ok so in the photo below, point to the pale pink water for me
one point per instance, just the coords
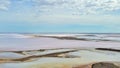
(20, 44)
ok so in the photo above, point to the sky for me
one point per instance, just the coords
(81, 16)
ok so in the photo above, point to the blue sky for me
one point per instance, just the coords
(91, 16)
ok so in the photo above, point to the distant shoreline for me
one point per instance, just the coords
(55, 33)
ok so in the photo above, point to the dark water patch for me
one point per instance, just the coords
(108, 49)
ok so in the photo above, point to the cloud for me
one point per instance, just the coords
(70, 7)
(4, 4)
(79, 7)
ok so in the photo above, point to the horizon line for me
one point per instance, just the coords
(62, 32)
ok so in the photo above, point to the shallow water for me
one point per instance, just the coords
(26, 42)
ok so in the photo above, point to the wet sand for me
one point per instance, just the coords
(58, 58)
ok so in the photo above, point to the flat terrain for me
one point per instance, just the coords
(34, 42)
(57, 58)
(59, 51)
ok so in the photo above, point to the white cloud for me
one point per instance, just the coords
(4, 4)
(74, 7)
(77, 6)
